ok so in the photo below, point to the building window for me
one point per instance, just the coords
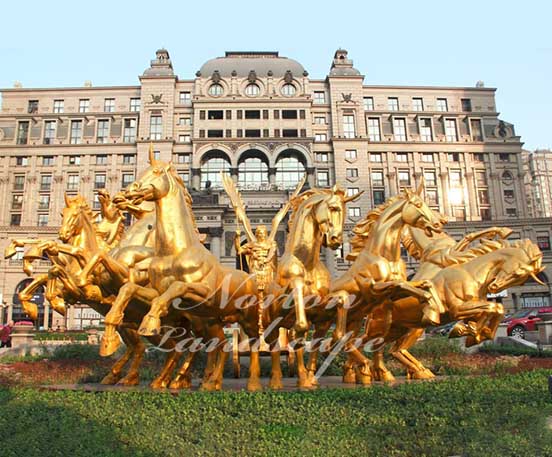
(216, 90)
(19, 182)
(101, 159)
(289, 171)
(320, 137)
(129, 159)
(42, 220)
(22, 161)
(376, 157)
(288, 90)
(109, 105)
(504, 157)
(84, 105)
(459, 214)
(103, 131)
(252, 172)
(483, 196)
(323, 178)
(183, 158)
(76, 132)
(466, 104)
(74, 160)
(185, 138)
(426, 133)
(442, 104)
(286, 114)
(32, 106)
(321, 120)
(188, 120)
(511, 212)
(374, 129)
(252, 90)
(399, 129)
(135, 104)
(215, 114)
(404, 178)
(17, 202)
(49, 132)
(417, 104)
(352, 173)
(453, 157)
(23, 132)
(432, 197)
(73, 182)
(393, 104)
(44, 202)
(156, 127)
(543, 241)
(354, 212)
(99, 181)
(211, 171)
(349, 126)
(127, 179)
(352, 191)
(322, 157)
(368, 103)
(429, 178)
(185, 177)
(427, 157)
(485, 214)
(509, 195)
(129, 131)
(15, 219)
(377, 178)
(480, 178)
(455, 177)
(185, 98)
(450, 130)
(319, 97)
(401, 157)
(48, 161)
(58, 106)
(476, 131)
(216, 133)
(378, 197)
(351, 154)
(478, 157)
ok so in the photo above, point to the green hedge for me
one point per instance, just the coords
(67, 336)
(501, 416)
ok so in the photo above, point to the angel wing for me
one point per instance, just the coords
(237, 203)
(284, 209)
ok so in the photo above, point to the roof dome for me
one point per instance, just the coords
(240, 64)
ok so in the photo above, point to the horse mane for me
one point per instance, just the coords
(411, 247)
(187, 197)
(485, 246)
(363, 228)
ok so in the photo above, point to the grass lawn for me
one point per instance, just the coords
(472, 416)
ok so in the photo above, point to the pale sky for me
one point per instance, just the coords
(507, 43)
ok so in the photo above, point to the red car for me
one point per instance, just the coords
(525, 320)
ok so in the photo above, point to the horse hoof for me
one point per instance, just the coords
(110, 379)
(158, 384)
(383, 376)
(109, 344)
(130, 379)
(180, 384)
(458, 330)
(349, 377)
(254, 386)
(150, 326)
(421, 374)
(305, 384)
(275, 384)
(208, 387)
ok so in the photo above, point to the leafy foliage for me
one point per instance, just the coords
(500, 416)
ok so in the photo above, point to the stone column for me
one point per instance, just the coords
(216, 235)
(471, 207)
(196, 178)
(444, 185)
(272, 176)
(46, 315)
(234, 174)
(10, 312)
(311, 178)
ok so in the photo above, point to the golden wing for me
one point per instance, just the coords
(284, 209)
(237, 203)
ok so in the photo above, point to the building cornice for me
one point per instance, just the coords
(70, 89)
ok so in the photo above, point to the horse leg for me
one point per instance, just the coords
(173, 357)
(138, 347)
(275, 382)
(349, 375)
(25, 296)
(301, 325)
(183, 379)
(151, 323)
(320, 332)
(215, 360)
(53, 295)
(110, 341)
(379, 370)
(415, 369)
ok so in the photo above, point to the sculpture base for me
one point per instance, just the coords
(233, 385)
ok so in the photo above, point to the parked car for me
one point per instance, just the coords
(442, 330)
(525, 320)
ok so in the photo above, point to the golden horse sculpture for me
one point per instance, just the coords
(377, 276)
(463, 284)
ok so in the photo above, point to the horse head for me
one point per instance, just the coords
(416, 213)
(516, 263)
(73, 217)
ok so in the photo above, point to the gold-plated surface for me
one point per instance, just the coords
(157, 276)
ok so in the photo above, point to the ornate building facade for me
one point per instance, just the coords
(538, 181)
(264, 120)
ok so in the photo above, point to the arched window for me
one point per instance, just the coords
(252, 90)
(253, 172)
(288, 90)
(289, 171)
(211, 168)
(216, 90)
